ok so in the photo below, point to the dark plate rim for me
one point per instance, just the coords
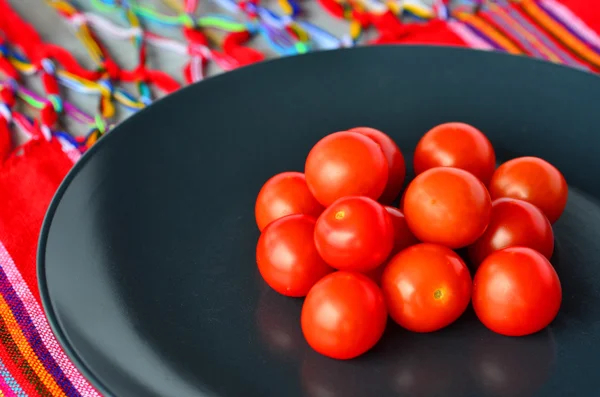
(47, 305)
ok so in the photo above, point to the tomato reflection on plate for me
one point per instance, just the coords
(508, 366)
(426, 364)
(410, 364)
(278, 324)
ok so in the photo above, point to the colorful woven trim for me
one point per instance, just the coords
(37, 362)
(566, 28)
(544, 29)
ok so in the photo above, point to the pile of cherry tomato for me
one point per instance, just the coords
(331, 235)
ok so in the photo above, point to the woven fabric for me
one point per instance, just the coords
(31, 361)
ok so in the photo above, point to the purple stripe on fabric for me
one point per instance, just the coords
(484, 37)
(568, 27)
(467, 36)
(565, 57)
(71, 109)
(32, 336)
(521, 41)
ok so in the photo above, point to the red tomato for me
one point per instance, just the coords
(516, 292)
(285, 194)
(344, 315)
(395, 159)
(287, 257)
(403, 238)
(426, 287)
(354, 233)
(346, 164)
(514, 223)
(457, 145)
(447, 206)
(534, 180)
(376, 273)
(402, 198)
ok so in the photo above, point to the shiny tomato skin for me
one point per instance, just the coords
(514, 223)
(395, 159)
(287, 257)
(516, 292)
(343, 315)
(533, 180)
(426, 287)
(285, 194)
(354, 233)
(346, 164)
(376, 273)
(403, 237)
(447, 206)
(456, 145)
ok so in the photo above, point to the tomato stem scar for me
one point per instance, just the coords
(340, 215)
(438, 294)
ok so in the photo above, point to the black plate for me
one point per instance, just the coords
(146, 259)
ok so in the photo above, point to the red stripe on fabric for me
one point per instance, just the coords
(553, 39)
(471, 38)
(587, 10)
(17, 365)
(31, 335)
(572, 23)
(31, 309)
(14, 368)
(32, 179)
(511, 35)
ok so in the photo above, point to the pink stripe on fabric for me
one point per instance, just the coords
(41, 324)
(469, 37)
(6, 389)
(573, 21)
(11, 382)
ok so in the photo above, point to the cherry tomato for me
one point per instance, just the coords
(534, 180)
(403, 238)
(285, 194)
(516, 292)
(447, 206)
(287, 257)
(514, 223)
(457, 145)
(402, 198)
(426, 287)
(354, 233)
(346, 164)
(376, 273)
(395, 159)
(344, 315)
